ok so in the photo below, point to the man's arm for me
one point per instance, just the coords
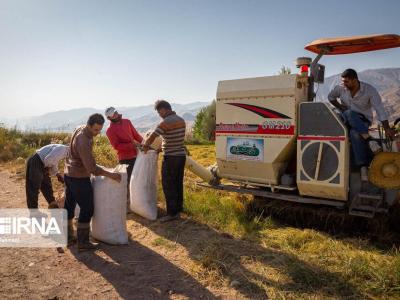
(111, 175)
(53, 170)
(388, 131)
(160, 130)
(333, 96)
(60, 177)
(136, 136)
(149, 141)
(377, 104)
(52, 167)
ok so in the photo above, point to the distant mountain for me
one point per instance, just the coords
(143, 117)
(386, 81)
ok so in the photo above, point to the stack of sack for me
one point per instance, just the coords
(109, 218)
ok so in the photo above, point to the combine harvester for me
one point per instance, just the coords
(275, 142)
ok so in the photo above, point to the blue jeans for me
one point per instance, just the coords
(357, 125)
(79, 190)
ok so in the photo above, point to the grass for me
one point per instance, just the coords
(343, 267)
(15, 144)
(257, 255)
(164, 243)
(104, 154)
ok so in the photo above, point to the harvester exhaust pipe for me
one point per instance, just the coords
(209, 175)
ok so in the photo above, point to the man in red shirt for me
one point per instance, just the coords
(124, 138)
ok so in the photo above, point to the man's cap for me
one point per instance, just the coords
(110, 112)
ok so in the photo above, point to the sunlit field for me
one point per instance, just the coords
(267, 256)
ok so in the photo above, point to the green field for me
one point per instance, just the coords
(345, 267)
(284, 261)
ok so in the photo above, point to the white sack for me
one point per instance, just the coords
(157, 143)
(143, 185)
(109, 218)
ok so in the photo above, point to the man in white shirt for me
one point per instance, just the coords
(39, 168)
(356, 102)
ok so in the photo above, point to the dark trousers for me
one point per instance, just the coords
(37, 179)
(129, 169)
(172, 171)
(79, 190)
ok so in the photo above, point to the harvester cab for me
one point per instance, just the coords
(274, 140)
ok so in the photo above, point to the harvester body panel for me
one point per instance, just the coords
(257, 127)
(322, 153)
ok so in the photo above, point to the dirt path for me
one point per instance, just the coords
(155, 264)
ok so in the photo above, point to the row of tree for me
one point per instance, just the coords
(204, 124)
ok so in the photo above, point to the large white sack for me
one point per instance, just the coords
(143, 185)
(109, 218)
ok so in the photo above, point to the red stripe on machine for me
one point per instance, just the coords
(261, 130)
(261, 111)
(320, 138)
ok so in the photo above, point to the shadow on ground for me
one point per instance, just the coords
(137, 272)
(213, 249)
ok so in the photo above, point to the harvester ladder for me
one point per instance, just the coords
(366, 205)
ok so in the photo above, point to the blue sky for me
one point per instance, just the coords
(57, 55)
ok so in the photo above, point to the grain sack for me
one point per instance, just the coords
(109, 218)
(143, 185)
(157, 143)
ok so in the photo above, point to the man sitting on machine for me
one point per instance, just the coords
(356, 102)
